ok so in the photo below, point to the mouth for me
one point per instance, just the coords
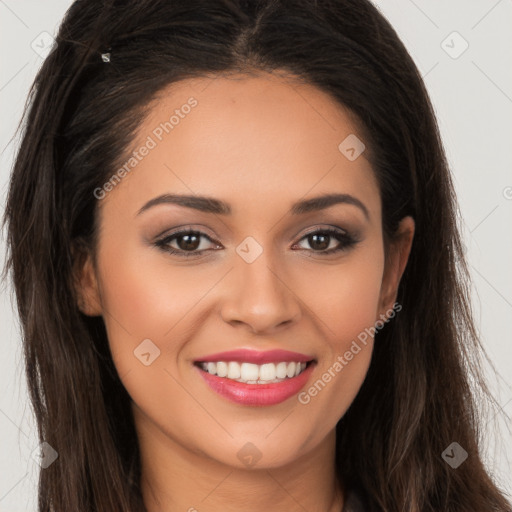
(249, 373)
(256, 384)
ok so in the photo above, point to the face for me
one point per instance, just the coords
(262, 265)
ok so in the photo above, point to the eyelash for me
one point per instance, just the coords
(345, 239)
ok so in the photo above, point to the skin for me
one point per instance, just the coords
(260, 143)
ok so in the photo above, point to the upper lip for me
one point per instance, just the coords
(256, 356)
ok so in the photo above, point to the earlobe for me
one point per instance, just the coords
(396, 261)
(86, 284)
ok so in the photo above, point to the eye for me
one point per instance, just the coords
(186, 243)
(328, 241)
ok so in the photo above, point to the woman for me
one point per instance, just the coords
(233, 241)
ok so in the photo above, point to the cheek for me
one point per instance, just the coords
(145, 297)
(345, 301)
(345, 297)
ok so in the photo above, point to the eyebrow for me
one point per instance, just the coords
(217, 206)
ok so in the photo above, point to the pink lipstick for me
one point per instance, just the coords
(256, 356)
(256, 378)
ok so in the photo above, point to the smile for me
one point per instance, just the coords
(253, 373)
(253, 384)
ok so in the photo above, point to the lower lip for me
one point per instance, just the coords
(257, 394)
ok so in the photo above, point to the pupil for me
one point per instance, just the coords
(188, 242)
(322, 240)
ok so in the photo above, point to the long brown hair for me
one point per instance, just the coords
(418, 395)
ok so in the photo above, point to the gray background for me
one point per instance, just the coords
(472, 95)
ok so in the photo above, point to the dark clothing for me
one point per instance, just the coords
(355, 502)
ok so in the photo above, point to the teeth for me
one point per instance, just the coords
(233, 370)
(267, 371)
(254, 373)
(248, 371)
(281, 370)
(222, 369)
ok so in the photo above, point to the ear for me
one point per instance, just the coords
(86, 281)
(396, 260)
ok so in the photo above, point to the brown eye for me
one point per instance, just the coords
(319, 241)
(186, 243)
(327, 241)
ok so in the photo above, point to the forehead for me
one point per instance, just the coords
(243, 137)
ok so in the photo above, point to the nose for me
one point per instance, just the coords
(260, 298)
